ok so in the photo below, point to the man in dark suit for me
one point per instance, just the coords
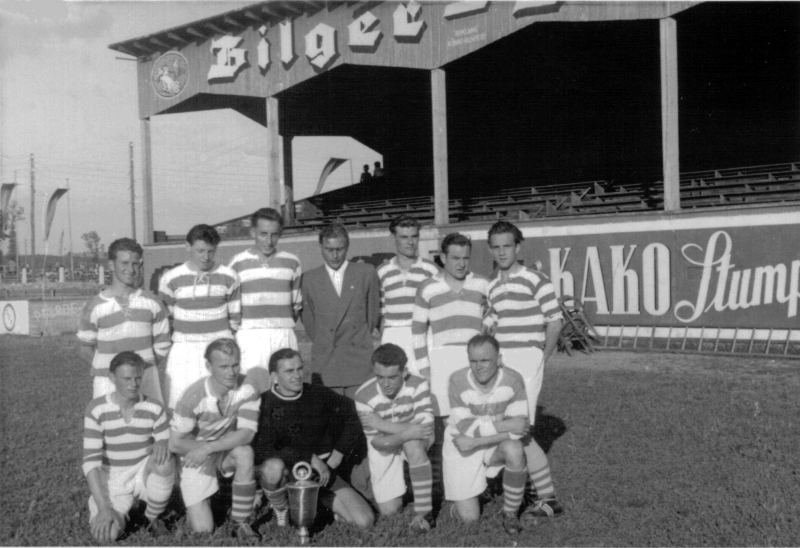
(341, 308)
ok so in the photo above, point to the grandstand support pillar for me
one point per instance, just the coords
(440, 184)
(288, 180)
(147, 182)
(274, 154)
(669, 113)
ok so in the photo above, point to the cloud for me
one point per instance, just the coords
(27, 26)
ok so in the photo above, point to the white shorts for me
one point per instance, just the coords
(386, 472)
(257, 345)
(124, 487)
(444, 362)
(151, 385)
(465, 475)
(197, 484)
(186, 364)
(401, 336)
(528, 362)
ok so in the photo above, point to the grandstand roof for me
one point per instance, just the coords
(270, 37)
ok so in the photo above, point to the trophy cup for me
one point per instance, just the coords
(303, 499)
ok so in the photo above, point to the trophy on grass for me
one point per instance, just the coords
(303, 499)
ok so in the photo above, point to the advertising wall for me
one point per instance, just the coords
(725, 268)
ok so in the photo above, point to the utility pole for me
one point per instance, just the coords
(69, 219)
(133, 197)
(33, 211)
(16, 238)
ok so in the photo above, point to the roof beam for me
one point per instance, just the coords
(271, 12)
(176, 38)
(215, 28)
(126, 51)
(233, 22)
(138, 45)
(159, 43)
(250, 15)
(289, 6)
(195, 32)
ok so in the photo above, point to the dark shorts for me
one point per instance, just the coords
(328, 493)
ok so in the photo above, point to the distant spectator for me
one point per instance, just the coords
(366, 177)
(378, 173)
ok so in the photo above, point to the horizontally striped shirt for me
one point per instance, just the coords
(413, 401)
(112, 326)
(271, 295)
(520, 308)
(205, 306)
(399, 289)
(111, 443)
(473, 412)
(200, 413)
(453, 318)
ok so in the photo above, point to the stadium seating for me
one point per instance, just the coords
(738, 186)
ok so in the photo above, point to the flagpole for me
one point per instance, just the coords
(69, 217)
(16, 237)
(46, 242)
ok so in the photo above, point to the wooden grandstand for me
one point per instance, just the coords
(776, 183)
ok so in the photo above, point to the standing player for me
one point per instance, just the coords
(123, 317)
(400, 277)
(488, 419)
(212, 427)
(270, 288)
(452, 304)
(310, 423)
(527, 320)
(204, 301)
(395, 411)
(125, 454)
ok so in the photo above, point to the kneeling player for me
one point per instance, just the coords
(395, 411)
(125, 455)
(298, 423)
(488, 418)
(214, 422)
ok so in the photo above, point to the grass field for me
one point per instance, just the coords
(659, 449)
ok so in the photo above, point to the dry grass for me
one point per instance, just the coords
(659, 450)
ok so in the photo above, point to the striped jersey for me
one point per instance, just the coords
(205, 306)
(200, 413)
(453, 317)
(399, 289)
(270, 291)
(111, 443)
(473, 412)
(112, 325)
(413, 401)
(521, 306)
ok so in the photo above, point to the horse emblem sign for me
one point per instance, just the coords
(170, 74)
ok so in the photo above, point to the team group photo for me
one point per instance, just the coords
(204, 381)
(399, 273)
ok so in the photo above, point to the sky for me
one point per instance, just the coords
(71, 102)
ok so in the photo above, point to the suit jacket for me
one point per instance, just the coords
(341, 327)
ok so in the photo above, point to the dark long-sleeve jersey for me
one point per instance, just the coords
(315, 422)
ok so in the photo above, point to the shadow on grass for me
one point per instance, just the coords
(547, 429)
